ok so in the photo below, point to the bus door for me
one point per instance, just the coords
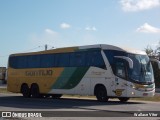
(120, 83)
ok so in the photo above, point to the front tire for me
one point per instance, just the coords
(101, 93)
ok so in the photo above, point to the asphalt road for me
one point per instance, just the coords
(75, 107)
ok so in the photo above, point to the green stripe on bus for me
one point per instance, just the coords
(64, 77)
(76, 77)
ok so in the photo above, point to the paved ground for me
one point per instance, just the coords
(77, 108)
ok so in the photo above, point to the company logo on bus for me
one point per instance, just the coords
(118, 92)
(39, 73)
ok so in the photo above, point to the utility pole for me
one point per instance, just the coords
(45, 46)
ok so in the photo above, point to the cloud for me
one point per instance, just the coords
(93, 28)
(51, 38)
(146, 28)
(65, 26)
(48, 36)
(49, 31)
(138, 5)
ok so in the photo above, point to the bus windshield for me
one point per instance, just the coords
(142, 69)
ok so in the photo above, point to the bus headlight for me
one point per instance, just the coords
(133, 87)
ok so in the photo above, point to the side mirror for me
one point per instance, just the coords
(129, 60)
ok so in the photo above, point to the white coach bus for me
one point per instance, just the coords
(105, 71)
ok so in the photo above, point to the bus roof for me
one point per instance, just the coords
(111, 47)
(86, 47)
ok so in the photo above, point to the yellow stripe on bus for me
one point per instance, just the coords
(44, 77)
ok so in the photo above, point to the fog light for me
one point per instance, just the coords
(133, 87)
(133, 93)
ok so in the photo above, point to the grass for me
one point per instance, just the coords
(3, 90)
(156, 98)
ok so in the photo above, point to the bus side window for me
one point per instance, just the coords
(13, 62)
(94, 58)
(62, 60)
(47, 60)
(77, 59)
(120, 70)
(33, 61)
(80, 59)
(18, 62)
(21, 62)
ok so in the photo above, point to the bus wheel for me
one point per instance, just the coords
(56, 96)
(25, 91)
(101, 93)
(123, 99)
(35, 91)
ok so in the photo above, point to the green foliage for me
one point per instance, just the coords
(149, 51)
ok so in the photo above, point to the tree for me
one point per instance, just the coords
(149, 50)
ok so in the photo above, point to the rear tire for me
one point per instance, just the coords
(35, 91)
(123, 99)
(101, 93)
(25, 91)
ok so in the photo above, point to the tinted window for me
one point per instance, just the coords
(120, 69)
(62, 60)
(12, 62)
(33, 61)
(18, 62)
(94, 58)
(77, 59)
(111, 53)
(47, 60)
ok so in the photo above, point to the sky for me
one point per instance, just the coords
(27, 25)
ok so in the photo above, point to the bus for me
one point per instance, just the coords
(101, 70)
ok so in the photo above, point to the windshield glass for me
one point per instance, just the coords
(142, 68)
